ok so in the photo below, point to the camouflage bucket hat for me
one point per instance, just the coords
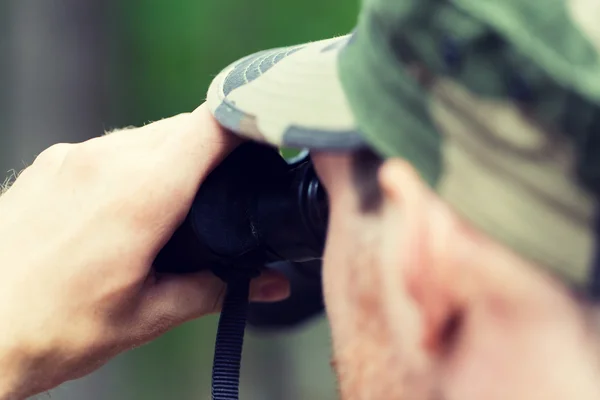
(495, 103)
(288, 97)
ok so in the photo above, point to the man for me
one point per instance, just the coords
(458, 143)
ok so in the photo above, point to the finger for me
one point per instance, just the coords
(158, 127)
(270, 286)
(185, 148)
(201, 143)
(174, 299)
(190, 135)
(53, 156)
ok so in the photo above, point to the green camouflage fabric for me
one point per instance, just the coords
(495, 102)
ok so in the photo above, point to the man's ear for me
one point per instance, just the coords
(419, 256)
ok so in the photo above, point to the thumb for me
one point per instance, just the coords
(171, 300)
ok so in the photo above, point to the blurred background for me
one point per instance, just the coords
(71, 69)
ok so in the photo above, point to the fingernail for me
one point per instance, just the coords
(273, 291)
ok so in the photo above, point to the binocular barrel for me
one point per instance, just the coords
(254, 209)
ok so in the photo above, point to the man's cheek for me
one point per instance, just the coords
(338, 291)
(334, 283)
(351, 290)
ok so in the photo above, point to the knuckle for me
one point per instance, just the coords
(82, 161)
(53, 155)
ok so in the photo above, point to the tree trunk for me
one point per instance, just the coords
(55, 66)
(52, 76)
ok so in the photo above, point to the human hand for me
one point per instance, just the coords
(79, 231)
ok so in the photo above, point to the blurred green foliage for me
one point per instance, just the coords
(170, 51)
(165, 55)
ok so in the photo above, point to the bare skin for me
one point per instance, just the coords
(80, 229)
(422, 306)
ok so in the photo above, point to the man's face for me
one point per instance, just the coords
(424, 308)
(366, 365)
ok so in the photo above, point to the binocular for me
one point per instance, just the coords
(257, 210)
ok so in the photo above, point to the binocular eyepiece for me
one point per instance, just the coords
(254, 210)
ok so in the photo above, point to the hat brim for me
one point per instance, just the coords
(287, 97)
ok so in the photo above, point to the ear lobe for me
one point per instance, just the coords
(423, 228)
